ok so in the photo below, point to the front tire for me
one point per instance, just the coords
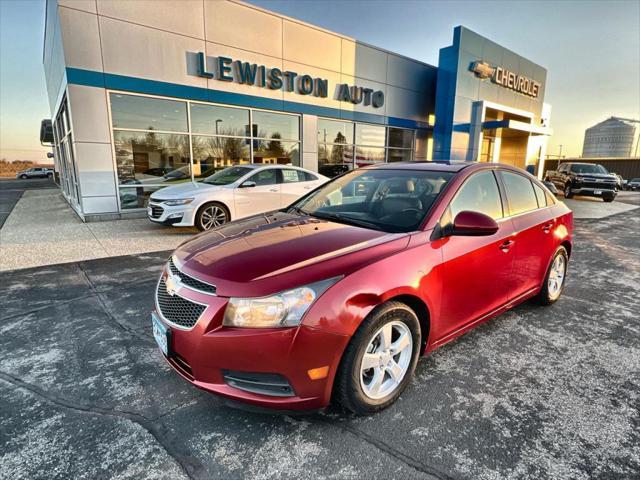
(567, 191)
(378, 363)
(211, 215)
(554, 280)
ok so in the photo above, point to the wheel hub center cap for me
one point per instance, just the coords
(384, 358)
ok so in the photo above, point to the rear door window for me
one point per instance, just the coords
(542, 201)
(479, 193)
(520, 193)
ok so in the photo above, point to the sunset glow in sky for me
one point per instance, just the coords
(591, 50)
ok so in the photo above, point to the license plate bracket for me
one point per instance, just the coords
(162, 334)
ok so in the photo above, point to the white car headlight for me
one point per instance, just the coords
(180, 201)
(284, 309)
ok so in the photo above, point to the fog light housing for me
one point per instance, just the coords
(176, 215)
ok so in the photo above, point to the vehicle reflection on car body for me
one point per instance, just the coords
(338, 295)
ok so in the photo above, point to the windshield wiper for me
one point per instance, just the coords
(345, 219)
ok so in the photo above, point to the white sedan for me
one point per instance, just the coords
(230, 194)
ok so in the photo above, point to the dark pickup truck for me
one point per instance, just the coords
(588, 179)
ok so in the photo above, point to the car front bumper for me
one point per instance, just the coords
(263, 367)
(178, 216)
(593, 191)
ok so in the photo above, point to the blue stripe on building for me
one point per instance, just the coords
(89, 78)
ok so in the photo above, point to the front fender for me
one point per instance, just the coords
(415, 271)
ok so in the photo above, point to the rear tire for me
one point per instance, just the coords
(390, 337)
(555, 279)
(567, 191)
(211, 215)
(23, 177)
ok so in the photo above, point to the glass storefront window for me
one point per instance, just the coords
(399, 155)
(212, 154)
(332, 131)
(276, 126)
(400, 138)
(135, 197)
(145, 113)
(215, 120)
(275, 151)
(152, 158)
(373, 135)
(369, 155)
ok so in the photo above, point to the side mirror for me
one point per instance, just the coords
(551, 187)
(248, 184)
(473, 224)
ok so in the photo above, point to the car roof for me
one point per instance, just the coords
(437, 166)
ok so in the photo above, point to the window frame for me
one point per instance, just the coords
(190, 134)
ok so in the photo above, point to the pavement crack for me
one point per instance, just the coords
(389, 450)
(190, 465)
(107, 310)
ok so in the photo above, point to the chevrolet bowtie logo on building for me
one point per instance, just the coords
(482, 70)
(505, 78)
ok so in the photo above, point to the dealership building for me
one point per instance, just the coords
(146, 94)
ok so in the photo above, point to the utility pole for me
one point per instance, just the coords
(560, 152)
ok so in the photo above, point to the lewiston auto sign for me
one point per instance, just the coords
(506, 78)
(228, 70)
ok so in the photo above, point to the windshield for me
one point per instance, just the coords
(227, 176)
(388, 200)
(588, 169)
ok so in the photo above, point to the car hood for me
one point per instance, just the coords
(269, 253)
(184, 189)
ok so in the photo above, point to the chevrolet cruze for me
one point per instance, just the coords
(337, 296)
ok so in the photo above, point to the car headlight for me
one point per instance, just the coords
(180, 201)
(284, 309)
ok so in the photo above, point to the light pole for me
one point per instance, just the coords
(560, 152)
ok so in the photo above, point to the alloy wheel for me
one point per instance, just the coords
(213, 216)
(556, 276)
(386, 360)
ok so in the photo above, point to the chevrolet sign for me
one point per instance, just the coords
(505, 78)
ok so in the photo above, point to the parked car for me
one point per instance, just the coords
(35, 172)
(619, 181)
(593, 180)
(230, 194)
(633, 184)
(337, 295)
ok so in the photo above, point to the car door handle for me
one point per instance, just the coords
(273, 189)
(506, 245)
(308, 187)
(547, 227)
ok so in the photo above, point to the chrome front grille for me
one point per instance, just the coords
(176, 309)
(191, 282)
(156, 211)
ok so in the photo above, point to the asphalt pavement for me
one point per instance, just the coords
(534, 394)
(11, 191)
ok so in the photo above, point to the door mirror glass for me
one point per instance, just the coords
(551, 187)
(473, 224)
(248, 184)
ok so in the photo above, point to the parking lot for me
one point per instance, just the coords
(537, 393)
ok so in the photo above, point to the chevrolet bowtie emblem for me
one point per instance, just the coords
(482, 69)
(171, 285)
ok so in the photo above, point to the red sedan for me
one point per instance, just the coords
(338, 295)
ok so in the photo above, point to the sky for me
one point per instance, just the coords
(591, 50)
